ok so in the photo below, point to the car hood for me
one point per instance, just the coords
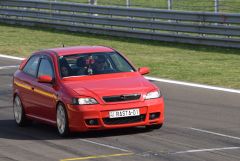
(109, 84)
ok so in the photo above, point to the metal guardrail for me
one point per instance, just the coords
(218, 29)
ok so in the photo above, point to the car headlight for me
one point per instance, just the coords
(152, 95)
(84, 101)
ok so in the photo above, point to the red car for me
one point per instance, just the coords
(85, 88)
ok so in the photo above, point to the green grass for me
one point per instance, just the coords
(192, 63)
(232, 6)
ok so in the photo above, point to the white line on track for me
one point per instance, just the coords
(8, 67)
(206, 150)
(194, 85)
(104, 145)
(164, 80)
(214, 133)
(11, 57)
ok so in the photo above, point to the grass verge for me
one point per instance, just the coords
(191, 63)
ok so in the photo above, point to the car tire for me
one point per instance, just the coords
(155, 126)
(18, 111)
(62, 120)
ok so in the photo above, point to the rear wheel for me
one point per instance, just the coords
(18, 111)
(62, 120)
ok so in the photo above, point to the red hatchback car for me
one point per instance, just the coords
(85, 88)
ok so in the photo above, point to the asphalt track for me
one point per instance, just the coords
(201, 124)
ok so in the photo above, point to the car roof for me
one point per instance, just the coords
(80, 50)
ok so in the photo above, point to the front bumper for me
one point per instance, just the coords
(79, 115)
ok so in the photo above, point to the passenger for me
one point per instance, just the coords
(81, 63)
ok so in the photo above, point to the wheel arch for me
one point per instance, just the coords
(65, 107)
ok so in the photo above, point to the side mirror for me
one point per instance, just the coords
(45, 79)
(143, 70)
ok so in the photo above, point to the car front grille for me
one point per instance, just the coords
(124, 120)
(120, 98)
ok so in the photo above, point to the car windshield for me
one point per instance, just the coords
(93, 64)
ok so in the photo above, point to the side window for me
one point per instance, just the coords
(45, 68)
(31, 66)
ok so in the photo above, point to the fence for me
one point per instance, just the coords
(171, 26)
(230, 6)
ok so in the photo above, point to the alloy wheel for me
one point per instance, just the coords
(62, 120)
(17, 109)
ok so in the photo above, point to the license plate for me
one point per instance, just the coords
(124, 113)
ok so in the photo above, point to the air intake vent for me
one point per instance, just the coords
(124, 120)
(121, 98)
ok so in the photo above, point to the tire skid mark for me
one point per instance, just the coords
(25, 151)
(48, 143)
(44, 142)
(5, 158)
(4, 107)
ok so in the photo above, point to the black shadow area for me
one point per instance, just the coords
(39, 131)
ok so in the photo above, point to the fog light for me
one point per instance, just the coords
(153, 116)
(92, 122)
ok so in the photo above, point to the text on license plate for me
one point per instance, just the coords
(124, 113)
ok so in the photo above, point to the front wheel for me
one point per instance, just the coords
(62, 120)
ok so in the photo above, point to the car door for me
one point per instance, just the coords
(25, 80)
(45, 93)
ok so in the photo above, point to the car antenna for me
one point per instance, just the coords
(63, 45)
